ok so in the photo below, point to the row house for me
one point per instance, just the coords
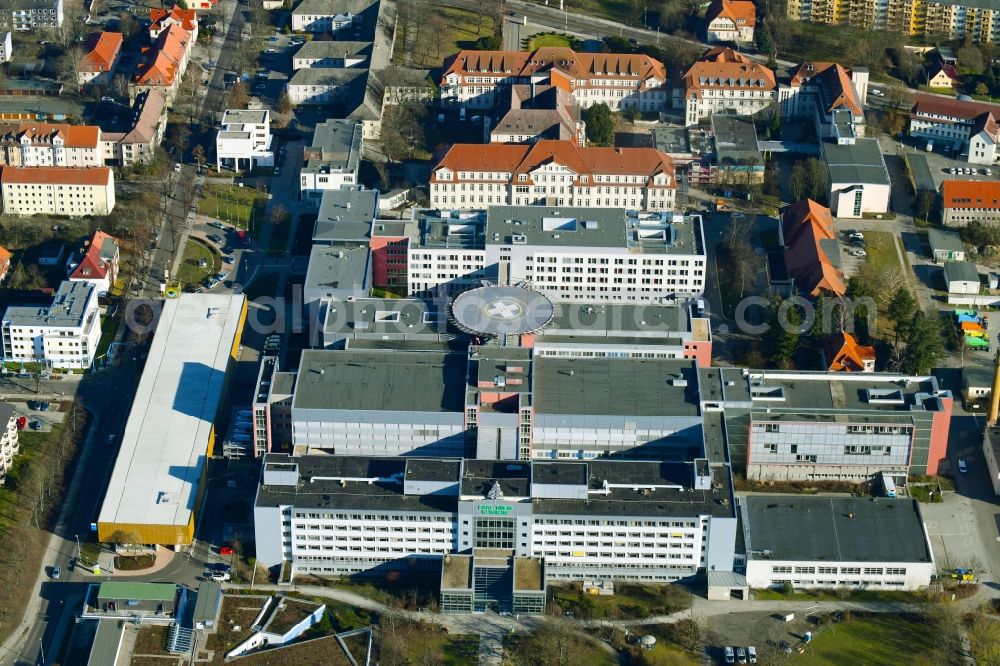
(552, 173)
(622, 81)
(43, 144)
(166, 62)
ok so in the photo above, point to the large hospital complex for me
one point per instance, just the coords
(537, 405)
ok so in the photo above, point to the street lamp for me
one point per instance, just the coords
(79, 551)
(41, 646)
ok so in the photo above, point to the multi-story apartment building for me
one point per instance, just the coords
(139, 144)
(6, 47)
(9, 444)
(616, 520)
(832, 95)
(27, 15)
(331, 161)
(166, 61)
(553, 173)
(244, 141)
(63, 334)
(319, 16)
(937, 20)
(723, 81)
(622, 81)
(73, 192)
(100, 60)
(332, 55)
(730, 21)
(970, 128)
(43, 144)
(327, 85)
(964, 201)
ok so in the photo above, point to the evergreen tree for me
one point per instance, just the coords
(782, 340)
(901, 309)
(924, 344)
(600, 124)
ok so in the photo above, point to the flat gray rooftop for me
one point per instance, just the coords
(671, 139)
(324, 76)
(336, 147)
(67, 310)
(449, 229)
(835, 529)
(326, 49)
(816, 391)
(320, 486)
(599, 319)
(404, 381)
(386, 316)
(735, 141)
(479, 477)
(336, 267)
(345, 216)
(945, 241)
(641, 498)
(244, 117)
(605, 386)
(860, 163)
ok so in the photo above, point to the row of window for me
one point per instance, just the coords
(843, 571)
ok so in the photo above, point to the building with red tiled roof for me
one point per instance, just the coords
(552, 173)
(730, 21)
(5, 257)
(96, 262)
(166, 61)
(161, 19)
(50, 144)
(201, 5)
(723, 81)
(102, 53)
(842, 353)
(832, 95)
(57, 191)
(969, 128)
(965, 201)
(812, 250)
(942, 75)
(635, 81)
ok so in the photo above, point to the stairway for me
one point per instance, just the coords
(179, 639)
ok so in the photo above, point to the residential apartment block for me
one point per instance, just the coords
(27, 15)
(6, 47)
(723, 81)
(553, 173)
(9, 444)
(63, 334)
(730, 21)
(327, 85)
(622, 81)
(570, 254)
(32, 144)
(149, 123)
(615, 520)
(330, 54)
(940, 20)
(331, 161)
(100, 58)
(73, 192)
(162, 19)
(165, 62)
(244, 141)
(318, 16)
(969, 128)
(964, 201)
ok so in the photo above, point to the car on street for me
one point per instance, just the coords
(226, 550)
(214, 238)
(218, 225)
(56, 572)
(111, 440)
(963, 467)
(219, 277)
(218, 576)
(277, 171)
(857, 252)
(228, 259)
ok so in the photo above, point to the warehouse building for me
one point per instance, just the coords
(652, 521)
(835, 542)
(157, 483)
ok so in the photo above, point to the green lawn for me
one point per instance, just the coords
(231, 203)
(456, 650)
(550, 39)
(874, 640)
(190, 270)
(888, 596)
(109, 327)
(628, 601)
(881, 249)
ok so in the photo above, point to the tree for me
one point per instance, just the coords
(982, 89)
(67, 67)
(600, 124)
(924, 344)
(128, 25)
(123, 538)
(782, 341)
(238, 97)
(198, 152)
(901, 309)
(284, 103)
(970, 59)
(816, 172)
(798, 183)
(762, 39)
(489, 43)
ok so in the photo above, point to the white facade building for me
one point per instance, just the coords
(57, 191)
(319, 16)
(332, 55)
(9, 444)
(553, 173)
(50, 144)
(63, 334)
(858, 178)
(27, 15)
(969, 128)
(723, 81)
(833, 542)
(244, 140)
(621, 81)
(6, 49)
(332, 161)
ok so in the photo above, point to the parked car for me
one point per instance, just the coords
(226, 550)
(741, 655)
(214, 238)
(877, 92)
(219, 576)
(36, 425)
(730, 656)
(855, 234)
(22, 422)
(219, 277)
(228, 259)
(963, 467)
(277, 171)
(111, 440)
(43, 406)
(218, 225)
(56, 572)
(752, 654)
(177, 168)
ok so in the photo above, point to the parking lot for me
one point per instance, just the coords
(939, 163)
(44, 419)
(954, 534)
